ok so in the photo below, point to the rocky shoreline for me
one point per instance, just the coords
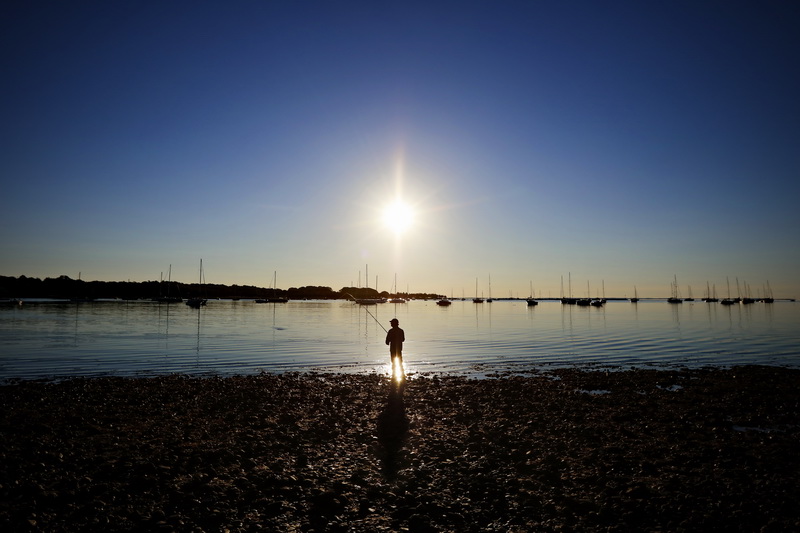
(637, 450)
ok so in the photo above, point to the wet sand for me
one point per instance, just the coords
(644, 450)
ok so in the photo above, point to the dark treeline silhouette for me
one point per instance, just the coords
(360, 292)
(66, 287)
(369, 293)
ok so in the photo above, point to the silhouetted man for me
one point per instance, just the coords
(395, 338)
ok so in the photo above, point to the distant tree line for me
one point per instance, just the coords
(66, 287)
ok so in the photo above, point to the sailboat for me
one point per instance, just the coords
(584, 302)
(598, 302)
(748, 298)
(690, 298)
(531, 300)
(635, 295)
(396, 299)
(568, 300)
(674, 299)
(728, 300)
(199, 301)
(167, 299)
(768, 297)
(711, 296)
(476, 299)
(370, 301)
(274, 298)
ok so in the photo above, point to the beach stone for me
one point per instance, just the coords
(309, 452)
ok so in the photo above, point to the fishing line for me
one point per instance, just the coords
(370, 314)
(376, 320)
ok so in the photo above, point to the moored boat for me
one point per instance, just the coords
(370, 301)
(689, 298)
(728, 300)
(198, 301)
(635, 295)
(567, 300)
(674, 298)
(748, 298)
(711, 296)
(275, 299)
(531, 300)
(476, 299)
(768, 297)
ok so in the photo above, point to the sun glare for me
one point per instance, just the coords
(399, 217)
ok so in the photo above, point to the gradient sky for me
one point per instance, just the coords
(624, 142)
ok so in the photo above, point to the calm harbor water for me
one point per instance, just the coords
(134, 338)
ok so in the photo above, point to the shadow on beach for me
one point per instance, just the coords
(393, 426)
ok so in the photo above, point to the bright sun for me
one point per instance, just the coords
(399, 217)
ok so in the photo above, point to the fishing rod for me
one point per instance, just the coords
(370, 314)
(376, 320)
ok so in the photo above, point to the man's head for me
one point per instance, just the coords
(394, 322)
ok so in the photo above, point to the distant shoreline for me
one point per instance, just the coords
(67, 288)
(344, 298)
(64, 287)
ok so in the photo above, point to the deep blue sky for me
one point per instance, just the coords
(625, 143)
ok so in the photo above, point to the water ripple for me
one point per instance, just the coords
(140, 338)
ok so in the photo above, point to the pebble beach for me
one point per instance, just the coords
(712, 449)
